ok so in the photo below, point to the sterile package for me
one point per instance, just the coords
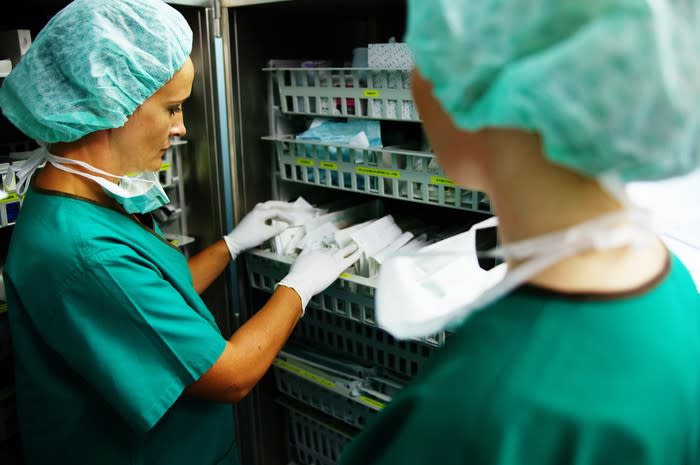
(374, 238)
(302, 212)
(347, 216)
(342, 237)
(360, 133)
(320, 230)
(417, 243)
(5, 67)
(375, 261)
(321, 236)
(390, 55)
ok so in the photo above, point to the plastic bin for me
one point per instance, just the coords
(353, 339)
(166, 173)
(314, 440)
(335, 390)
(11, 204)
(342, 320)
(350, 297)
(355, 92)
(387, 172)
(335, 405)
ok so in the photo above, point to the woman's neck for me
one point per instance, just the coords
(556, 198)
(552, 198)
(91, 150)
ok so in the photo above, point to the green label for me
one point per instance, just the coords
(305, 162)
(304, 374)
(345, 275)
(11, 197)
(372, 93)
(165, 166)
(328, 165)
(371, 402)
(441, 181)
(378, 172)
(3, 307)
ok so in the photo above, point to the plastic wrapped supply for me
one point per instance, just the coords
(303, 212)
(359, 133)
(389, 55)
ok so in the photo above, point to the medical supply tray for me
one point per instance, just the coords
(392, 172)
(312, 438)
(346, 92)
(344, 390)
(342, 318)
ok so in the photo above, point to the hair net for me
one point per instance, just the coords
(92, 65)
(610, 85)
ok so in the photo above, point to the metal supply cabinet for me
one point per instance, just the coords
(338, 369)
(172, 218)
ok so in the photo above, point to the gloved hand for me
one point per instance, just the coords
(315, 270)
(256, 227)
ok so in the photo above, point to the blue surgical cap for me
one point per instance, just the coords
(611, 86)
(92, 65)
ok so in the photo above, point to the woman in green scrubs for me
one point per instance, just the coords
(118, 360)
(592, 358)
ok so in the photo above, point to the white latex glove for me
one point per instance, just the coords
(315, 270)
(256, 227)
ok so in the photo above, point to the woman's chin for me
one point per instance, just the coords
(155, 166)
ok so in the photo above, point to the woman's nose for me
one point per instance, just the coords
(178, 128)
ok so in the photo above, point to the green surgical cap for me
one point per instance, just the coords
(612, 86)
(92, 65)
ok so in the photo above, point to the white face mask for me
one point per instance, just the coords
(422, 293)
(137, 194)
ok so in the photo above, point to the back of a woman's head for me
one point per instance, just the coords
(610, 85)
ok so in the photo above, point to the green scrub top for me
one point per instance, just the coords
(107, 331)
(541, 378)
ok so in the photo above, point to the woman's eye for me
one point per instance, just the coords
(174, 110)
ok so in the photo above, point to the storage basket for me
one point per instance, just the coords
(370, 344)
(346, 92)
(387, 172)
(350, 297)
(312, 441)
(325, 400)
(166, 173)
(339, 394)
